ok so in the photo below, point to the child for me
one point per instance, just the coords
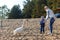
(42, 23)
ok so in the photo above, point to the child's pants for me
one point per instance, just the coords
(51, 24)
(42, 27)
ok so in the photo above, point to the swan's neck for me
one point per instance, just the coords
(23, 24)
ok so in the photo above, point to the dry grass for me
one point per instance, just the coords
(31, 32)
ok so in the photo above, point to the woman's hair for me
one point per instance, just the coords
(45, 6)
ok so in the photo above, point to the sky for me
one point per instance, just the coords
(11, 3)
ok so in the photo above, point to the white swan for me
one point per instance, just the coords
(19, 30)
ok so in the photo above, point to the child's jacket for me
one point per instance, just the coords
(42, 21)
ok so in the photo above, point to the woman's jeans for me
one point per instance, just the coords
(51, 24)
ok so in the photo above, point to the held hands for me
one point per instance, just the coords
(46, 19)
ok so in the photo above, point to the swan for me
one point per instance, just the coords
(19, 30)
